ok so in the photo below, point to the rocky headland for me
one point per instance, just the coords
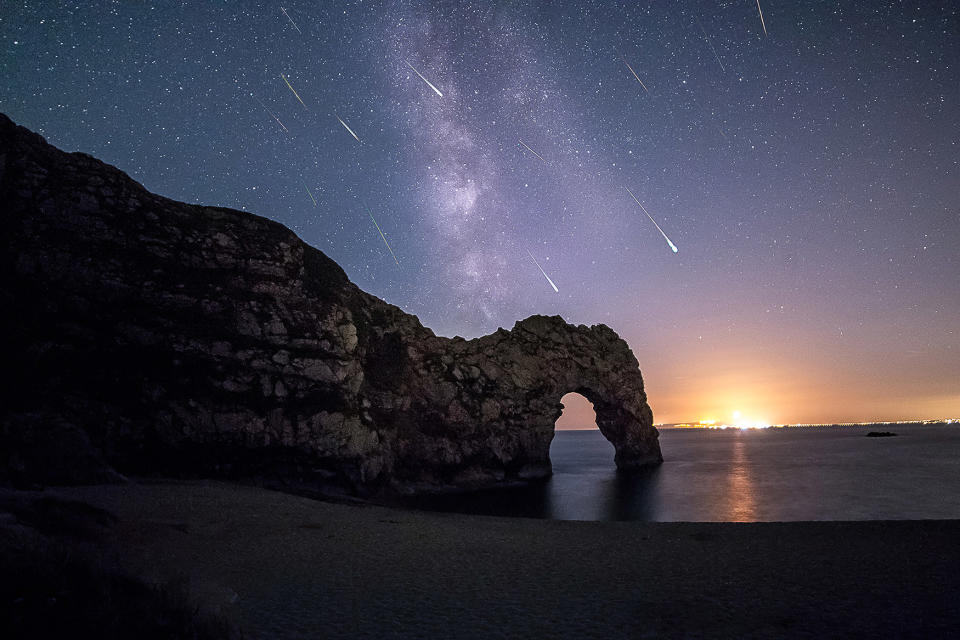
(147, 336)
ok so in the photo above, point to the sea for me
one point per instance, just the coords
(753, 475)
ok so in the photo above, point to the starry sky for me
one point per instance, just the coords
(804, 163)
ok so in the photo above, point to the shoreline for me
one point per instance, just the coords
(281, 565)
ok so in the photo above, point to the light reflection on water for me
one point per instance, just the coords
(740, 491)
(817, 473)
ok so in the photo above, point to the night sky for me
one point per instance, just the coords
(808, 175)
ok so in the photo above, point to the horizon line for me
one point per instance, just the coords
(702, 425)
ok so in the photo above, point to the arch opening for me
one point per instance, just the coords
(578, 414)
(578, 446)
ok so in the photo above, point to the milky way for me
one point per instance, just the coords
(805, 163)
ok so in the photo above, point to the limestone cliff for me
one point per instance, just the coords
(147, 336)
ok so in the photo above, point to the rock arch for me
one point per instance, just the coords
(505, 400)
(616, 424)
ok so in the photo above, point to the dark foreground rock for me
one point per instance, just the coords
(62, 579)
(881, 434)
(144, 335)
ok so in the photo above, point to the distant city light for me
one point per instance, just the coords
(762, 424)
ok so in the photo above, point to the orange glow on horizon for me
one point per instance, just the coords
(786, 382)
(794, 392)
(578, 414)
(792, 367)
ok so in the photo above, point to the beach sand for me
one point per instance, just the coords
(284, 566)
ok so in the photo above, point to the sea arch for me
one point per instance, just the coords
(493, 417)
(623, 419)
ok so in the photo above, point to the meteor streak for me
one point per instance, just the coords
(291, 20)
(271, 113)
(635, 74)
(672, 246)
(707, 38)
(761, 18)
(424, 79)
(346, 127)
(384, 239)
(543, 272)
(310, 194)
(531, 150)
(294, 91)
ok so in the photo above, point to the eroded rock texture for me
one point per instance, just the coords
(150, 336)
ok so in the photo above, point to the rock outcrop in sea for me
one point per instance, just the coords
(147, 336)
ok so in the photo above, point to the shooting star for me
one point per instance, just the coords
(346, 127)
(310, 194)
(543, 272)
(424, 79)
(531, 150)
(672, 246)
(294, 91)
(635, 74)
(384, 239)
(291, 20)
(707, 38)
(271, 114)
(761, 18)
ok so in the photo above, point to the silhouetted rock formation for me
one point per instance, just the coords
(150, 336)
(881, 434)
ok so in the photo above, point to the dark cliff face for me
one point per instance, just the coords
(144, 335)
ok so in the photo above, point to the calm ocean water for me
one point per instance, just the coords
(808, 473)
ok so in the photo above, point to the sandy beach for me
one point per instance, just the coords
(284, 566)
